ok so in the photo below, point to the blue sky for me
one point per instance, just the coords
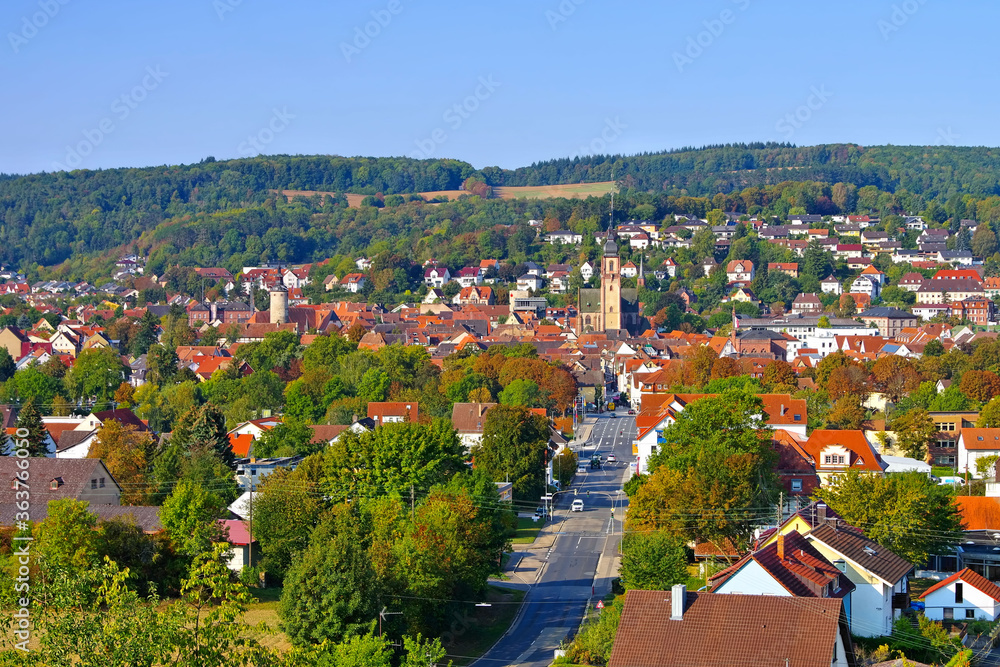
(114, 83)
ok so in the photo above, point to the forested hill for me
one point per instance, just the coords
(46, 219)
(931, 171)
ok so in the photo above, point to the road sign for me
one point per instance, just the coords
(600, 604)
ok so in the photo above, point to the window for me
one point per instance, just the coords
(946, 426)
(970, 613)
(93, 483)
(827, 459)
(958, 593)
(101, 483)
(949, 614)
(796, 485)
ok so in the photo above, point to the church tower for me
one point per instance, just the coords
(611, 285)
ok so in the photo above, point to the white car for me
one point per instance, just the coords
(577, 506)
(612, 458)
(581, 470)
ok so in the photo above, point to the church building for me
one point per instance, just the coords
(609, 308)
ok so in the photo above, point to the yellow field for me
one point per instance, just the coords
(570, 191)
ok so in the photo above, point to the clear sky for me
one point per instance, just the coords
(110, 83)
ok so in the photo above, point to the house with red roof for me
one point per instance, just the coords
(976, 443)
(243, 550)
(836, 451)
(964, 596)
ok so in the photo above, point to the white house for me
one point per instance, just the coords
(964, 596)
(564, 237)
(242, 551)
(877, 573)
(740, 271)
(831, 285)
(670, 266)
(975, 443)
(866, 285)
(587, 271)
(529, 282)
(436, 276)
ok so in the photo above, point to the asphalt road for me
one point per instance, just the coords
(563, 578)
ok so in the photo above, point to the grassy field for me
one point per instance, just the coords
(570, 191)
(527, 531)
(476, 633)
(265, 609)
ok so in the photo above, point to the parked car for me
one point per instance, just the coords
(577, 506)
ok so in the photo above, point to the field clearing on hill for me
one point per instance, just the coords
(570, 191)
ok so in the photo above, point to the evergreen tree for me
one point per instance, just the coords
(209, 433)
(7, 365)
(29, 418)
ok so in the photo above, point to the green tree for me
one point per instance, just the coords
(934, 348)
(285, 510)
(374, 385)
(7, 365)
(30, 420)
(915, 433)
(714, 457)
(984, 241)
(190, 517)
(162, 363)
(908, 513)
(653, 561)
(96, 374)
(521, 392)
(330, 591)
(513, 448)
(989, 416)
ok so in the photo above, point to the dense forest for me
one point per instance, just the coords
(226, 212)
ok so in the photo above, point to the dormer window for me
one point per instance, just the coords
(55, 483)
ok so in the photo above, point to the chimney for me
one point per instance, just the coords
(678, 596)
(781, 547)
(821, 513)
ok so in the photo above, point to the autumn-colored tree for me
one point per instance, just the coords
(895, 377)
(356, 332)
(779, 373)
(828, 364)
(980, 385)
(847, 412)
(726, 367)
(989, 416)
(849, 380)
(698, 369)
(846, 307)
(127, 454)
(480, 395)
(125, 395)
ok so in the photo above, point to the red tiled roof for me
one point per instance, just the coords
(735, 629)
(241, 444)
(969, 577)
(979, 512)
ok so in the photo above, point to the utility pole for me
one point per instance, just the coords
(250, 540)
(781, 504)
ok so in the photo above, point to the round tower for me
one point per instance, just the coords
(279, 304)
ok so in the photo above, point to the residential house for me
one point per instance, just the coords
(865, 285)
(948, 291)
(875, 274)
(58, 479)
(708, 265)
(911, 282)
(973, 444)
(468, 419)
(929, 311)
(353, 282)
(564, 237)
(831, 285)
(629, 270)
(964, 596)
(977, 310)
(685, 629)
(836, 451)
(807, 303)
(849, 250)
(587, 271)
(437, 276)
(670, 267)
(740, 271)
(530, 282)
(393, 412)
(890, 321)
(16, 342)
(243, 551)
(475, 295)
(955, 257)
(788, 268)
(991, 286)
(469, 276)
(880, 577)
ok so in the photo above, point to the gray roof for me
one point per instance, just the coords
(875, 558)
(891, 313)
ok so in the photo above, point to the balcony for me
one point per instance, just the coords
(900, 600)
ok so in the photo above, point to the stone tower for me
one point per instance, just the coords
(611, 285)
(279, 304)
